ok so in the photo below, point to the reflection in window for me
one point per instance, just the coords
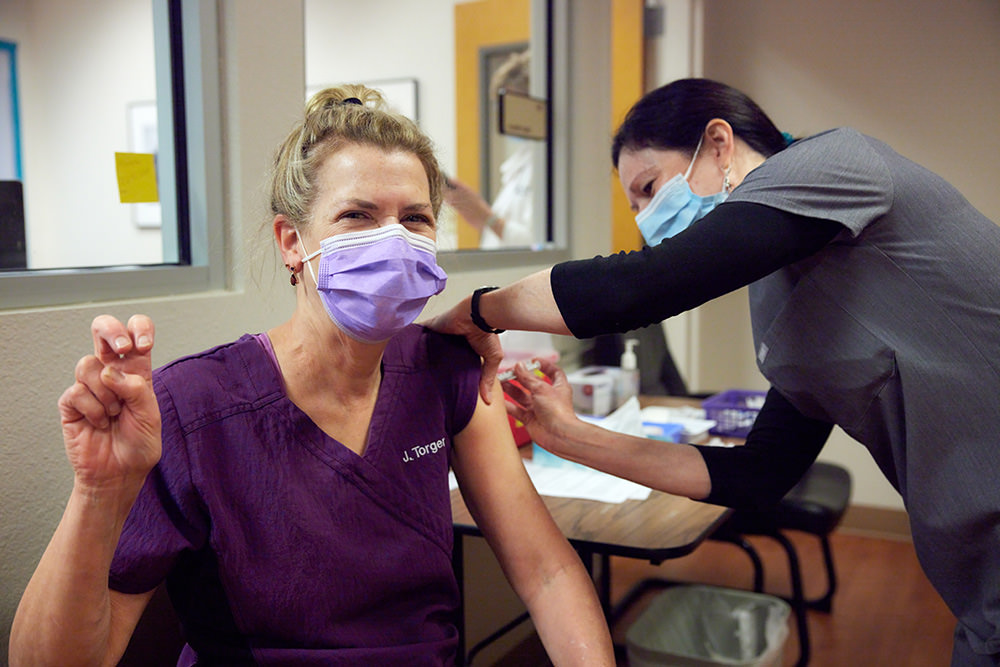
(88, 89)
(507, 172)
(452, 99)
(99, 81)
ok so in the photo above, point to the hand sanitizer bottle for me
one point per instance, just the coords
(629, 375)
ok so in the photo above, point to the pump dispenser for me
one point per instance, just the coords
(629, 379)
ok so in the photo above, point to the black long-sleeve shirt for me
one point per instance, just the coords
(733, 246)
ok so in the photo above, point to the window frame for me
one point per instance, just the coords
(193, 116)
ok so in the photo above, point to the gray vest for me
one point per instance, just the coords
(892, 332)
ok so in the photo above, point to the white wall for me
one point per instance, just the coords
(262, 95)
(922, 75)
(74, 119)
(349, 42)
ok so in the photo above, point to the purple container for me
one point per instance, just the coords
(733, 411)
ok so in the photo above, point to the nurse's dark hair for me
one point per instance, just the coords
(674, 116)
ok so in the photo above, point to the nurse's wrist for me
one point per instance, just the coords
(475, 310)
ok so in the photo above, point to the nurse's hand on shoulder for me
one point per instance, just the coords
(110, 417)
(458, 321)
(545, 409)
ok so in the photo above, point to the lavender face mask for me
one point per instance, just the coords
(375, 282)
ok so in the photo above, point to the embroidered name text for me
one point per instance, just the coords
(415, 452)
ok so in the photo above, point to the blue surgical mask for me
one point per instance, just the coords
(675, 207)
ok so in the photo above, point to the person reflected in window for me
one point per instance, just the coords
(509, 221)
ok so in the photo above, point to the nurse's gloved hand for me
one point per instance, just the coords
(110, 417)
(543, 405)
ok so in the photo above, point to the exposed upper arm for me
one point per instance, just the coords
(502, 499)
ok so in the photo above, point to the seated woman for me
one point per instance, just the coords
(291, 487)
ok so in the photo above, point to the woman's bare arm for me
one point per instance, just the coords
(111, 429)
(542, 567)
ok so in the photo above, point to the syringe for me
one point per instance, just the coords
(509, 374)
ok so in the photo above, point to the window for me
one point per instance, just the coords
(91, 87)
(457, 103)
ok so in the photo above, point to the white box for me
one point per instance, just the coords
(593, 390)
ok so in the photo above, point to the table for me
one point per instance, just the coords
(660, 527)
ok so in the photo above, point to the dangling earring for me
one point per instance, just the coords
(726, 185)
(294, 280)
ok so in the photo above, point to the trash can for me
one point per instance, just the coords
(691, 626)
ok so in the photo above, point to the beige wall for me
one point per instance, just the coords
(922, 75)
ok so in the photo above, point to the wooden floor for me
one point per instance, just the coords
(885, 612)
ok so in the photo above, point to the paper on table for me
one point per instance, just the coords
(626, 419)
(566, 479)
(556, 477)
(575, 481)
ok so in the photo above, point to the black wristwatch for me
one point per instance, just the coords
(476, 317)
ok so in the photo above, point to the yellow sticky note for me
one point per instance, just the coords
(136, 177)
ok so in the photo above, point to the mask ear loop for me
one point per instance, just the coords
(308, 257)
(694, 157)
(726, 185)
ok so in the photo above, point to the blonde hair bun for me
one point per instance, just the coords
(346, 114)
(337, 96)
